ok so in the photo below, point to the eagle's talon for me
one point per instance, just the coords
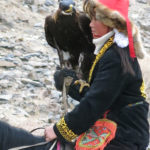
(82, 84)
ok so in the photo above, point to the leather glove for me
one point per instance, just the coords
(59, 76)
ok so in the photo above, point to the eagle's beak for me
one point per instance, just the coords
(70, 9)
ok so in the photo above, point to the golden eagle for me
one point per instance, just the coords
(68, 31)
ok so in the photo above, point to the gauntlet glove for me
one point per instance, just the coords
(59, 76)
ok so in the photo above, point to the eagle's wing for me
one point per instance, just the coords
(84, 23)
(88, 54)
(49, 27)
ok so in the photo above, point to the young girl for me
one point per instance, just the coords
(116, 88)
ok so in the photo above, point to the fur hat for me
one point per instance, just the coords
(114, 14)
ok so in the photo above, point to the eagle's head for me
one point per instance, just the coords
(67, 6)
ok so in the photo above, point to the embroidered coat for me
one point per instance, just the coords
(110, 89)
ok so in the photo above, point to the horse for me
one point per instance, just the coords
(11, 137)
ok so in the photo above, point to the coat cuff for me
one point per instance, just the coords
(63, 132)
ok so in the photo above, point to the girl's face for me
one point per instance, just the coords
(98, 28)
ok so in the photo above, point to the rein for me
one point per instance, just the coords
(36, 129)
(33, 145)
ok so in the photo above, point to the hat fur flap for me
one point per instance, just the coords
(114, 19)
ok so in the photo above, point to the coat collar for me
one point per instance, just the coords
(99, 42)
(119, 38)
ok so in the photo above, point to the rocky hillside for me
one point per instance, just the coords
(28, 97)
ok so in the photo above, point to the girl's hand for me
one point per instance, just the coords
(49, 133)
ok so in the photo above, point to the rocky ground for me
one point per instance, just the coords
(28, 97)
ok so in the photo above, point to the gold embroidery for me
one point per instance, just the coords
(142, 89)
(82, 84)
(65, 131)
(99, 55)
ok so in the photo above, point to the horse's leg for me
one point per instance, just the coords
(13, 137)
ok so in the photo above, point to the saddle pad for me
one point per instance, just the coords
(98, 136)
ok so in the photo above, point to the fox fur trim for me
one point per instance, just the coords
(113, 19)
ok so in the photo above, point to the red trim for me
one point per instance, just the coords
(105, 114)
(130, 37)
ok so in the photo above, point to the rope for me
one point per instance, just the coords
(36, 129)
(53, 145)
(67, 82)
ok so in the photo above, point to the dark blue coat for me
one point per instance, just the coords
(110, 89)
